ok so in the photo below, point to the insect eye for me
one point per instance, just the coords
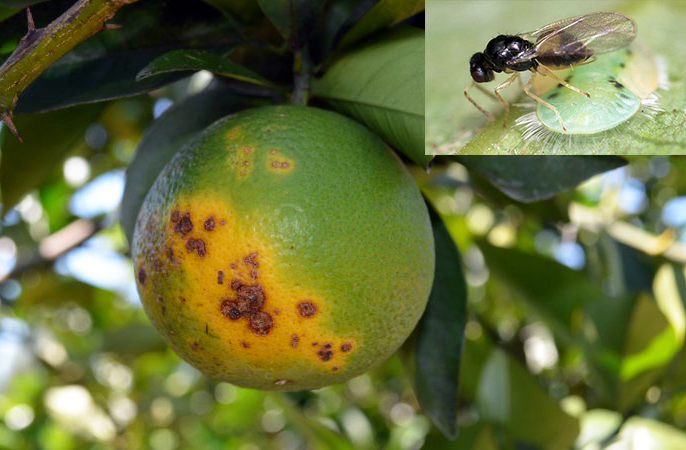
(479, 76)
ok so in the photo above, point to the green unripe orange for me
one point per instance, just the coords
(286, 248)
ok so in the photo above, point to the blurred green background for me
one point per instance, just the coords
(458, 29)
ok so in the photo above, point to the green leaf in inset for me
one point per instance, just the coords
(386, 13)
(436, 355)
(295, 19)
(533, 178)
(382, 86)
(195, 60)
(48, 138)
(164, 138)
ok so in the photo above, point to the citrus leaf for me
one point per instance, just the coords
(244, 10)
(48, 138)
(104, 67)
(195, 60)
(295, 19)
(384, 14)
(511, 397)
(382, 86)
(533, 178)
(164, 138)
(437, 339)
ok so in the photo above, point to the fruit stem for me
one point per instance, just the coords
(41, 47)
(303, 74)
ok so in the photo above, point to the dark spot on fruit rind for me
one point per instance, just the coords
(209, 224)
(346, 347)
(170, 254)
(184, 225)
(261, 323)
(230, 309)
(325, 355)
(245, 344)
(334, 368)
(175, 216)
(307, 309)
(251, 260)
(220, 277)
(250, 298)
(195, 346)
(235, 284)
(197, 245)
(294, 340)
(142, 275)
(327, 346)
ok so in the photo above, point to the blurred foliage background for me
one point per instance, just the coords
(458, 29)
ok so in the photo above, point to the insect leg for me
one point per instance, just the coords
(561, 81)
(485, 113)
(503, 85)
(527, 89)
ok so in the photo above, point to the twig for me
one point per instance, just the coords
(41, 47)
(303, 74)
(58, 243)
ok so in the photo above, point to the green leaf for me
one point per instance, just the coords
(195, 60)
(19, 3)
(385, 13)
(534, 178)
(382, 86)
(48, 138)
(557, 298)
(164, 138)
(457, 30)
(437, 340)
(105, 66)
(656, 435)
(509, 396)
(295, 19)
(244, 10)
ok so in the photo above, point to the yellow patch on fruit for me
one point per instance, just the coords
(256, 312)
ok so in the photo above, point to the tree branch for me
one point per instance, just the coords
(41, 47)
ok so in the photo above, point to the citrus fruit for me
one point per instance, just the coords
(286, 248)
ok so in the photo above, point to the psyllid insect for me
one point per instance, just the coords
(559, 45)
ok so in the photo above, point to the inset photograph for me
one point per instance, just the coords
(564, 77)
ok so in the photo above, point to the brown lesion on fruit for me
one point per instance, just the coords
(294, 340)
(220, 277)
(209, 224)
(334, 368)
(248, 302)
(346, 347)
(279, 163)
(170, 254)
(261, 323)
(195, 346)
(307, 309)
(245, 344)
(175, 216)
(325, 354)
(142, 276)
(183, 225)
(196, 245)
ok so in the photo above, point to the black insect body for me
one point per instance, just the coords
(557, 46)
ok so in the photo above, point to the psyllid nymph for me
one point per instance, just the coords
(559, 45)
(624, 84)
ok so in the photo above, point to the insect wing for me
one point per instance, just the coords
(595, 33)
